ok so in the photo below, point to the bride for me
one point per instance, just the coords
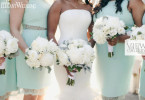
(74, 19)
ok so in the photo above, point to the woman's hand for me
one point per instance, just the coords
(112, 42)
(68, 72)
(122, 38)
(16, 17)
(2, 60)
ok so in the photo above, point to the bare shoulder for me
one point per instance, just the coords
(135, 3)
(56, 6)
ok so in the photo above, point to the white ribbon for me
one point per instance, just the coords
(110, 48)
(73, 76)
(3, 65)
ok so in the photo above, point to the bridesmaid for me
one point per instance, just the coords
(34, 22)
(8, 81)
(138, 11)
(114, 73)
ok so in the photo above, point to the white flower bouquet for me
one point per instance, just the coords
(138, 33)
(41, 54)
(75, 55)
(108, 27)
(8, 47)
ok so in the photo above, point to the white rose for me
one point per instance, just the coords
(46, 60)
(12, 46)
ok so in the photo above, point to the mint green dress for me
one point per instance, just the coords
(142, 78)
(8, 82)
(114, 73)
(34, 25)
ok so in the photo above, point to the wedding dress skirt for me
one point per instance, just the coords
(73, 25)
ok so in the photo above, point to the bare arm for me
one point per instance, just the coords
(90, 29)
(136, 7)
(16, 16)
(133, 7)
(53, 20)
(89, 35)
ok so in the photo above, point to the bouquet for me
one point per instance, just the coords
(138, 33)
(75, 55)
(108, 27)
(41, 54)
(8, 47)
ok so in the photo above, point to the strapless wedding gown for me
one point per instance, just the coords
(73, 25)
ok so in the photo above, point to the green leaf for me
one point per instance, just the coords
(79, 69)
(91, 33)
(139, 33)
(126, 27)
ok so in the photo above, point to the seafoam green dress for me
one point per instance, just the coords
(142, 78)
(34, 25)
(114, 73)
(8, 81)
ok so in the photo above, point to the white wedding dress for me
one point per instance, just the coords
(73, 25)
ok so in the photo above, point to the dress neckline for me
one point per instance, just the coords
(74, 10)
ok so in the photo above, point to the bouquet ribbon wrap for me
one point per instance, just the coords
(73, 76)
(110, 50)
(2, 69)
(71, 79)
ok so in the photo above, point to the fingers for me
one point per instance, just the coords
(112, 42)
(68, 72)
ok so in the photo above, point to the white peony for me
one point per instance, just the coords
(11, 46)
(107, 27)
(40, 44)
(63, 58)
(33, 55)
(76, 55)
(52, 47)
(46, 60)
(99, 38)
(138, 33)
(33, 63)
(5, 35)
